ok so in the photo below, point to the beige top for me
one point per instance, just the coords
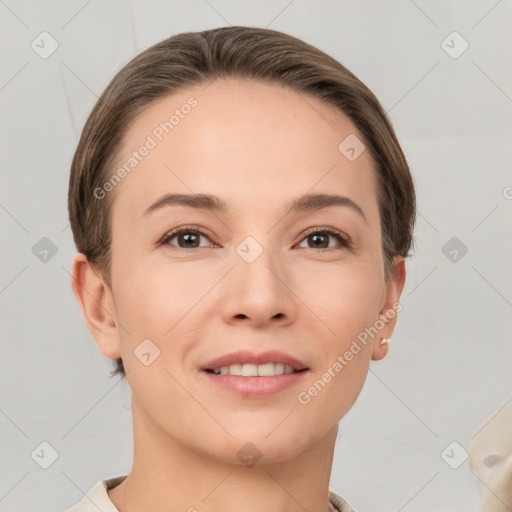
(97, 499)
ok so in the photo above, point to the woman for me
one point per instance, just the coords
(242, 212)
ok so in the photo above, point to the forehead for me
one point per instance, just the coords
(243, 141)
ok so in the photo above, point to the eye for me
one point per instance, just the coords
(186, 238)
(318, 238)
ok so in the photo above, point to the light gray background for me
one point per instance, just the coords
(449, 365)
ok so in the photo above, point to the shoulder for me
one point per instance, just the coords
(340, 503)
(97, 497)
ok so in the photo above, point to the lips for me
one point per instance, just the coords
(246, 357)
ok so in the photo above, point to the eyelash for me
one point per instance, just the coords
(344, 240)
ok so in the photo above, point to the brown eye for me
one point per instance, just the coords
(321, 239)
(186, 238)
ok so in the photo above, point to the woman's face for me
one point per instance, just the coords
(255, 278)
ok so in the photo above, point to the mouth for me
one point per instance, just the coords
(255, 375)
(251, 381)
(255, 370)
(243, 363)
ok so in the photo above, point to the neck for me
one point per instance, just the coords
(167, 475)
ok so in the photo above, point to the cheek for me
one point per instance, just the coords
(159, 300)
(162, 302)
(153, 306)
(345, 297)
(346, 302)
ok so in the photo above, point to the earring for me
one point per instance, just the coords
(384, 341)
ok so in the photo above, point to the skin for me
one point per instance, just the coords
(251, 144)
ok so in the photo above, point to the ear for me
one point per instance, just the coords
(97, 306)
(389, 311)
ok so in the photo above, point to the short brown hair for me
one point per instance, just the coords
(194, 58)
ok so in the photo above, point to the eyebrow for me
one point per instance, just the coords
(305, 203)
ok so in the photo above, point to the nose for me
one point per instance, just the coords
(259, 293)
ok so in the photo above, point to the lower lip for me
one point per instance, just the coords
(255, 387)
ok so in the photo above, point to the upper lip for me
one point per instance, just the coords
(246, 357)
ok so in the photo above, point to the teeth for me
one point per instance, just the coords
(255, 370)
